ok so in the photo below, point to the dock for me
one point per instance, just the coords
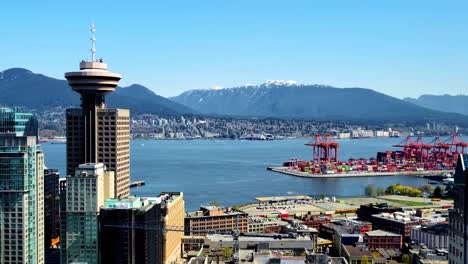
(137, 184)
(286, 170)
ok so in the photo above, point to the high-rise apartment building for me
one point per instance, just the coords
(143, 230)
(458, 218)
(51, 206)
(86, 192)
(21, 189)
(95, 133)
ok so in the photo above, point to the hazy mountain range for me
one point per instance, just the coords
(274, 99)
(21, 87)
(446, 103)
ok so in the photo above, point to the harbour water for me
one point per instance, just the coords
(234, 171)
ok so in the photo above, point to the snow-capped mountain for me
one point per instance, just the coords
(289, 99)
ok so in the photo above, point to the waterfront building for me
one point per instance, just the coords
(51, 206)
(458, 217)
(95, 133)
(86, 191)
(215, 219)
(21, 189)
(143, 230)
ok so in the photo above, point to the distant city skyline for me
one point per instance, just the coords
(400, 48)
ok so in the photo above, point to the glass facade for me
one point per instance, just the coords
(21, 124)
(21, 189)
(85, 194)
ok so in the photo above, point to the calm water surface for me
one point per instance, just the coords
(234, 171)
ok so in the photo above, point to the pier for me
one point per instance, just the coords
(286, 170)
(137, 184)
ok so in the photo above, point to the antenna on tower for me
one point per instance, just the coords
(93, 40)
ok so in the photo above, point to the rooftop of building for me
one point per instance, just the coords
(91, 166)
(135, 202)
(383, 206)
(346, 226)
(355, 251)
(378, 233)
(259, 220)
(253, 237)
(210, 207)
(282, 198)
(387, 253)
(213, 211)
(399, 217)
(439, 228)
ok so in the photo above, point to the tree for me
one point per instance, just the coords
(364, 259)
(391, 189)
(227, 252)
(405, 258)
(381, 191)
(371, 190)
(437, 192)
(426, 188)
(215, 203)
(235, 207)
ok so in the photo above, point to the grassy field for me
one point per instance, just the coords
(406, 202)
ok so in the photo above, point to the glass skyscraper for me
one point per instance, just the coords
(21, 189)
(86, 192)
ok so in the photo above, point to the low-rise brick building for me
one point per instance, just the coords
(382, 239)
(212, 219)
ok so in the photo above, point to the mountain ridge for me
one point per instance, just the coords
(445, 102)
(310, 101)
(45, 92)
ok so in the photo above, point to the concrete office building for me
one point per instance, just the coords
(51, 206)
(21, 189)
(86, 192)
(143, 230)
(95, 133)
(458, 218)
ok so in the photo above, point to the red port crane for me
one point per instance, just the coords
(423, 150)
(440, 150)
(409, 148)
(456, 145)
(324, 149)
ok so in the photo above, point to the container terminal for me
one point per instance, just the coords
(413, 157)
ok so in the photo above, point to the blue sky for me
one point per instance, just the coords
(401, 48)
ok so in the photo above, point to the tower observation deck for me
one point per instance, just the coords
(95, 133)
(93, 82)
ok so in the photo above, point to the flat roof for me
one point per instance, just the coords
(358, 251)
(225, 238)
(381, 233)
(282, 198)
